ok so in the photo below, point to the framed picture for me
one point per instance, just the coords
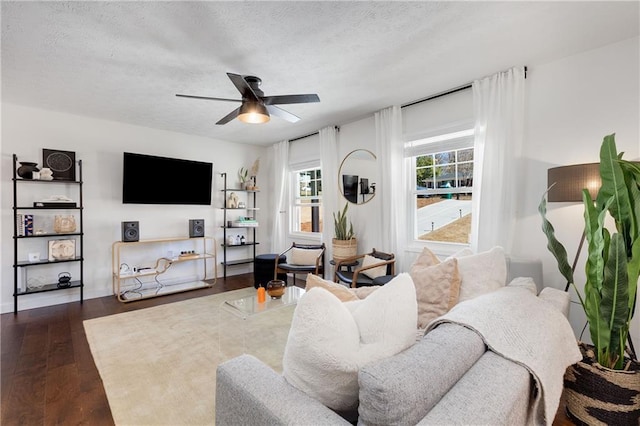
(61, 163)
(62, 249)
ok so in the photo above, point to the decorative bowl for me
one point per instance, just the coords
(276, 288)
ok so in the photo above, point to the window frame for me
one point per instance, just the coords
(443, 141)
(294, 200)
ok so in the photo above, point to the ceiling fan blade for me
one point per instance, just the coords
(279, 112)
(208, 98)
(227, 118)
(243, 87)
(290, 99)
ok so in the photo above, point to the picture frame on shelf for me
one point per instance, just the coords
(62, 250)
(61, 163)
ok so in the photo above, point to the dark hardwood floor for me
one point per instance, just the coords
(47, 374)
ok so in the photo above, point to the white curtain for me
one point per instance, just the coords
(329, 160)
(280, 155)
(499, 131)
(392, 185)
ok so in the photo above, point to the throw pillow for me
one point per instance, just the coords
(373, 272)
(437, 288)
(524, 282)
(482, 273)
(341, 292)
(363, 292)
(426, 258)
(298, 256)
(460, 253)
(328, 343)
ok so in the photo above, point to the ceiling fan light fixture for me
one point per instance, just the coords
(253, 113)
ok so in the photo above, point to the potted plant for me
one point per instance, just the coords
(605, 386)
(344, 243)
(251, 183)
(243, 174)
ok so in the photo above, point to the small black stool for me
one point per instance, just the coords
(263, 268)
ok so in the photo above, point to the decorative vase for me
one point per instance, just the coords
(596, 395)
(343, 249)
(26, 169)
(276, 288)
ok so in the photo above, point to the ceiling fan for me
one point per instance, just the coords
(256, 107)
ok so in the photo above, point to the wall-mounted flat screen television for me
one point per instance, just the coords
(148, 179)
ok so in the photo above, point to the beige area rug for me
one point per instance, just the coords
(158, 365)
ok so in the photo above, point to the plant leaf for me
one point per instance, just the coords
(597, 237)
(615, 299)
(555, 247)
(614, 185)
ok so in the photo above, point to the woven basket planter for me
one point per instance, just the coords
(596, 395)
(343, 249)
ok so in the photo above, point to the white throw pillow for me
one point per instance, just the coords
(329, 341)
(482, 273)
(298, 256)
(372, 273)
(524, 282)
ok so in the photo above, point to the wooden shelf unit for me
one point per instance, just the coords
(205, 248)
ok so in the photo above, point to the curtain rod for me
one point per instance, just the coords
(310, 134)
(448, 92)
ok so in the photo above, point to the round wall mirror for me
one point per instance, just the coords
(358, 176)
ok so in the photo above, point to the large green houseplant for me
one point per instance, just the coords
(344, 241)
(612, 266)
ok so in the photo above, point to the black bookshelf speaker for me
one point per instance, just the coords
(196, 228)
(130, 232)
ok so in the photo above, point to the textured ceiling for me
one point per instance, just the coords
(125, 61)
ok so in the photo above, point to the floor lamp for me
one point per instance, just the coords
(566, 184)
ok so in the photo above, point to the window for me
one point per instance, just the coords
(442, 186)
(307, 200)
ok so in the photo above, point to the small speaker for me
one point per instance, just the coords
(130, 232)
(196, 228)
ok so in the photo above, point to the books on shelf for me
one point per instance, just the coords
(55, 204)
(247, 223)
(24, 225)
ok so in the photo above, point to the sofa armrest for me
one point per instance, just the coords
(558, 298)
(495, 391)
(250, 392)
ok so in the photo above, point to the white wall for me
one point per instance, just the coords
(365, 217)
(100, 144)
(572, 104)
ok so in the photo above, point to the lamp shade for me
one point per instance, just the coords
(253, 113)
(569, 181)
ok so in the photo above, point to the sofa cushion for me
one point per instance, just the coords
(426, 258)
(299, 256)
(363, 292)
(373, 272)
(329, 341)
(482, 273)
(437, 288)
(404, 388)
(341, 292)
